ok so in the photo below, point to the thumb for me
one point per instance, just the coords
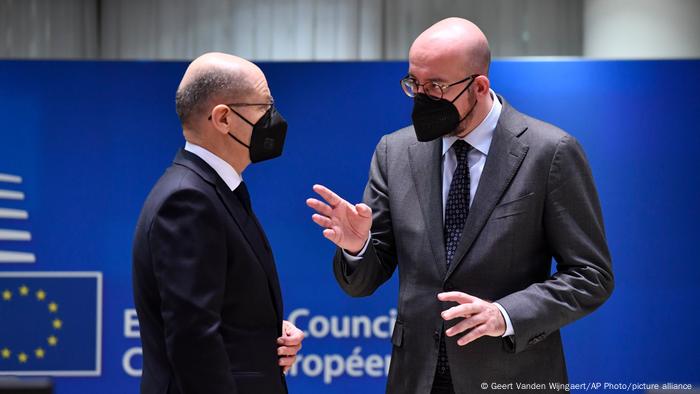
(363, 210)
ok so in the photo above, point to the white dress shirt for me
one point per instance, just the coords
(225, 170)
(480, 139)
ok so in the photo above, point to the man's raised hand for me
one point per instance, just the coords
(345, 224)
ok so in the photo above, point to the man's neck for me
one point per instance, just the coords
(234, 158)
(480, 113)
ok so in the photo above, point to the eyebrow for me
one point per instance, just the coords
(428, 80)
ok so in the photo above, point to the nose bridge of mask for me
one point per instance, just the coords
(435, 118)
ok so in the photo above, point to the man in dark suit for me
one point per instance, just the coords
(472, 202)
(205, 284)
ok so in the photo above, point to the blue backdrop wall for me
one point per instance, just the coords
(81, 143)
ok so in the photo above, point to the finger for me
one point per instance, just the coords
(363, 210)
(328, 195)
(331, 235)
(294, 336)
(321, 220)
(286, 361)
(465, 324)
(320, 206)
(287, 327)
(461, 310)
(291, 340)
(474, 334)
(288, 350)
(456, 296)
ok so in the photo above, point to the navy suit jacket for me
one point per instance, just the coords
(205, 287)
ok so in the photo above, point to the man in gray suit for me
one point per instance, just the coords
(472, 202)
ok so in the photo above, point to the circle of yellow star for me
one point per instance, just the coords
(6, 295)
(39, 353)
(23, 290)
(53, 307)
(52, 340)
(57, 324)
(41, 295)
(6, 353)
(22, 357)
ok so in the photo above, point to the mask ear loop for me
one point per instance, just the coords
(463, 90)
(237, 140)
(245, 120)
(473, 106)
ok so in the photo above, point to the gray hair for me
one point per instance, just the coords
(197, 96)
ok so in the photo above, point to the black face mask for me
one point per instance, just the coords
(436, 118)
(267, 140)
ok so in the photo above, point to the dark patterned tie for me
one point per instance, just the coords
(457, 208)
(456, 212)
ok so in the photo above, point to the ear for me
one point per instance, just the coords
(220, 118)
(483, 85)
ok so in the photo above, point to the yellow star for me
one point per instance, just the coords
(6, 295)
(53, 307)
(39, 353)
(6, 353)
(23, 290)
(52, 340)
(41, 295)
(22, 357)
(57, 324)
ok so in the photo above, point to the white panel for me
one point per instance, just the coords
(324, 30)
(284, 29)
(305, 29)
(9, 178)
(347, 30)
(15, 235)
(291, 29)
(48, 29)
(16, 257)
(263, 31)
(641, 28)
(11, 195)
(7, 213)
(370, 30)
(243, 28)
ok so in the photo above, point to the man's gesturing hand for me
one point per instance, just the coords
(346, 225)
(289, 345)
(479, 316)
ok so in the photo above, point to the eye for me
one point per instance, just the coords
(433, 89)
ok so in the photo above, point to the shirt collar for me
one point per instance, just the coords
(480, 138)
(225, 171)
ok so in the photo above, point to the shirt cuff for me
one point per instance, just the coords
(509, 325)
(358, 256)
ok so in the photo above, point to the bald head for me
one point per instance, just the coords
(453, 40)
(217, 78)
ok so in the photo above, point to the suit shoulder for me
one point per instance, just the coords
(402, 137)
(539, 131)
(177, 184)
(549, 141)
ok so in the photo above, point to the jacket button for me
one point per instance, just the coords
(436, 336)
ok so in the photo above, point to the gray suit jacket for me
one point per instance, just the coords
(536, 201)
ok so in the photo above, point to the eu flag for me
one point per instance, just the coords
(50, 323)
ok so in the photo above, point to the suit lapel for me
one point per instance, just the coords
(505, 156)
(426, 166)
(247, 223)
(253, 233)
